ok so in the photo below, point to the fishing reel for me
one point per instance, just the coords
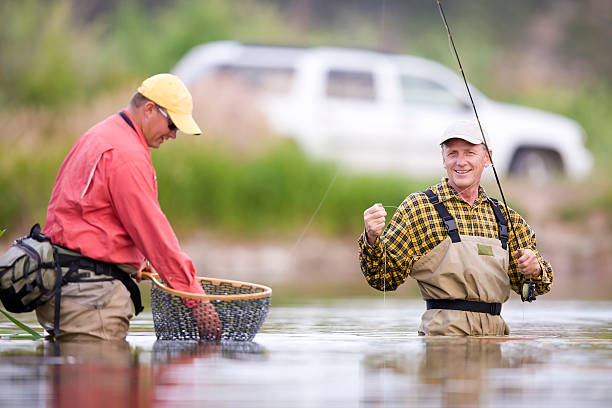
(528, 291)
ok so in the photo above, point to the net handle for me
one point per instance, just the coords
(265, 291)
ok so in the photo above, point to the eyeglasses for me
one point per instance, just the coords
(171, 124)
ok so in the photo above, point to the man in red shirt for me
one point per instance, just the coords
(104, 206)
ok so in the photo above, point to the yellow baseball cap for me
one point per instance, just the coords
(169, 92)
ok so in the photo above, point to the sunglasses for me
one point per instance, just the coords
(171, 124)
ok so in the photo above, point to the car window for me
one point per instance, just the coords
(417, 90)
(350, 85)
(276, 80)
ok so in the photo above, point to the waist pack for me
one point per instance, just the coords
(34, 269)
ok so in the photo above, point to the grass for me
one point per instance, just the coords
(274, 193)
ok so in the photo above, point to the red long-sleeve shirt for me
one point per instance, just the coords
(104, 205)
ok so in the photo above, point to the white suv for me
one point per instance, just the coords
(378, 111)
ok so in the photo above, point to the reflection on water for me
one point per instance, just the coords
(447, 372)
(169, 351)
(345, 353)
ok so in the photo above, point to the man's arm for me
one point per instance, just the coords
(384, 263)
(526, 262)
(134, 200)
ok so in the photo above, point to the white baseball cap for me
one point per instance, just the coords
(463, 129)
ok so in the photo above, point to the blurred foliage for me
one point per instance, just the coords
(51, 57)
(274, 193)
(59, 55)
(64, 51)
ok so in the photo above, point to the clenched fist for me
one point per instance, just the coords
(374, 219)
(527, 263)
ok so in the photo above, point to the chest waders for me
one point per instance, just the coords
(464, 279)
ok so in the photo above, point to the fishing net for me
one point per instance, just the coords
(237, 309)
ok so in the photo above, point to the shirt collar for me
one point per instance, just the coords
(447, 192)
(137, 130)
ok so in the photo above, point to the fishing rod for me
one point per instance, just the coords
(528, 287)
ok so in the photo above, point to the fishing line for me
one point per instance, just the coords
(312, 217)
(384, 245)
(527, 291)
(385, 255)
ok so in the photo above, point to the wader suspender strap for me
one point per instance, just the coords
(453, 232)
(449, 221)
(58, 295)
(127, 120)
(501, 223)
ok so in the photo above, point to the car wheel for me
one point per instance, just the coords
(536, 164)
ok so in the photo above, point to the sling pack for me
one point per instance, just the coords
(34, 269)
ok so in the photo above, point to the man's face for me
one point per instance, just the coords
(156, 128)
(464, 163)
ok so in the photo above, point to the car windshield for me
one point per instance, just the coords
(418, 91)
(277, 80)
(350, 85)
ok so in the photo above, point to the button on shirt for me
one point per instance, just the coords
(104, 205)
(416, 228)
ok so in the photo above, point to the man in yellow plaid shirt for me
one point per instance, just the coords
(455, 241)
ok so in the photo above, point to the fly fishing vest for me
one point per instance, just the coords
(464, 279)
(34, 269)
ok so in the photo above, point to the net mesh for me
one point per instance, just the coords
(235, 320)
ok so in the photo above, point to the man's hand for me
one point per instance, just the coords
(146, 267)
(207, 320)
(528, 263)
(374, 219)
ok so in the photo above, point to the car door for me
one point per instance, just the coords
(353, 114)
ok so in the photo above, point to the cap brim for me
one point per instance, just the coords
(468, 139)
(185, 123)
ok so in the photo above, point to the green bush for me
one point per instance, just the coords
(52, 58)
(275, 193)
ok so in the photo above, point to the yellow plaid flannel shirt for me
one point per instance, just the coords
(416, 228)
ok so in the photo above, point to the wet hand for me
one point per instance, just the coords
(374, 219)
(527, 263)
(207, 321)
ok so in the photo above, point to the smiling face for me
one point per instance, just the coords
(464, 163)
(156, 126)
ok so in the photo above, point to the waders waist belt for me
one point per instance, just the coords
(466, 305)
(83, 269)
(102, 271)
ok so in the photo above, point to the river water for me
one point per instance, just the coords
(340, 353)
